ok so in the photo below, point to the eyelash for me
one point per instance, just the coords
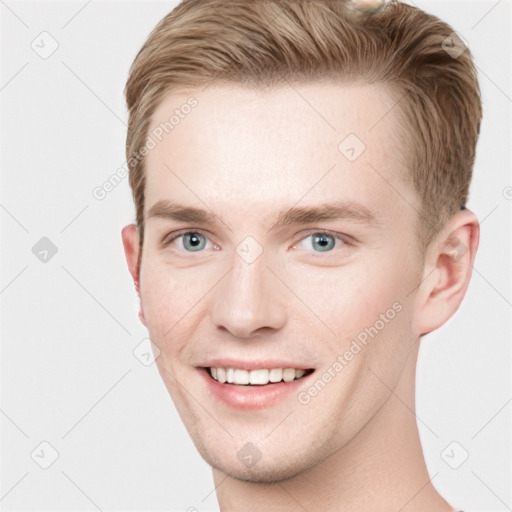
(343, 238)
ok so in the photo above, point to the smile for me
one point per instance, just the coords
(258, 377)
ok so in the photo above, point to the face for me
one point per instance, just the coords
(303, 257)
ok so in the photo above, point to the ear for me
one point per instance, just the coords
(130, 238)
(447, 271)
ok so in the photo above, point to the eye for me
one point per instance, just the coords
(192, 241)
(322, 241)
(317, 241)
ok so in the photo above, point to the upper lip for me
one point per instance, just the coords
(254, 364)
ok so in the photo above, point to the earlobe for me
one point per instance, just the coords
(448, 269)
(141, 316)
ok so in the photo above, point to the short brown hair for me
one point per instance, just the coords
(263, 43)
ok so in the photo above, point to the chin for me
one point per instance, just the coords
(269, 469)
(263, 474)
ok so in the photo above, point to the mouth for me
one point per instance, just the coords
(254, 388)
(256, 377)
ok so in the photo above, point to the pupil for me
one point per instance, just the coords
(193, 241)
(323, 241)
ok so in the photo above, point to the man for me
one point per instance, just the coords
(300, 171)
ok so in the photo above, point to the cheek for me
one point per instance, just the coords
(370, 301)
(168, 300)
(382, 310)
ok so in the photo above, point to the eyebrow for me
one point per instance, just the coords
(336, 210)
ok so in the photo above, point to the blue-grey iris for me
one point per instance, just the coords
(323, 239)
(195, 239)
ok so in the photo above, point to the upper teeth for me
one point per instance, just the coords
(263, 376)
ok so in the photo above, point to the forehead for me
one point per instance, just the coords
(253, 148)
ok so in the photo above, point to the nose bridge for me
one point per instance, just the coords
(247, 300)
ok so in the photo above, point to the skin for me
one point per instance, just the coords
(246, 155)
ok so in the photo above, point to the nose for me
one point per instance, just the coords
(249, 300)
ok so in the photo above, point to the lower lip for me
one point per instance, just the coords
(251, 397)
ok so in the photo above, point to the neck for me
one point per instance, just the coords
(382, 468)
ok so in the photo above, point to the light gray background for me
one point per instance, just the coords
(69, 326)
